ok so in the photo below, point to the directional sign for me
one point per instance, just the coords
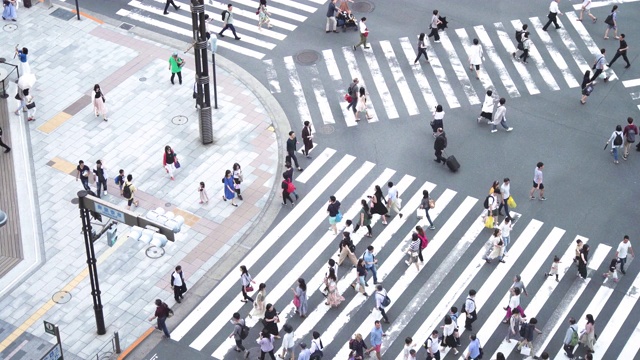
(110, 212)
(55, 353)
(49, 328)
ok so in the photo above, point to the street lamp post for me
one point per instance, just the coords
(202, 70)
(214, 48)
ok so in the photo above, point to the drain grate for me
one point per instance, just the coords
(61, 297)
(143, 79)
(63, 14)
(307, 57)
(154, 252)
(180, 120)
(10, 27)
(326, 129)
(125, 26)
(363, 7)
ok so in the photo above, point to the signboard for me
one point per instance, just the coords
(109, 212)
(49, 328)
(55, 353)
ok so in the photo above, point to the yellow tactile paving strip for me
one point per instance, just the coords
(189, 218)
(63, 165)
(52, 124)
(38, 314)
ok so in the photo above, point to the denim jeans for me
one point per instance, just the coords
(162, 325)
(374, 272)
(85, 182)
(615, 153)
(503, 123)
(505, 240)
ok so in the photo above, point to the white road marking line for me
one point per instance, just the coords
(381, 85)
(275, 11)
(298, 93)
(545, 291)
(562, 311)
(630, 350)
(466, 44)
(294, 272)
(315, 165)
(555, 54)
(352, 64)
(423, 84)
(459, 69)
(272, 76)
(276, 262)
(399, 77)
(436, 66)
(538, 61)
(332, 66)
(631, 83)
(185, 32)
(334, 72)
(520, 67)
(321, 96)
(231, 280)
(583, 64)
(485, 40)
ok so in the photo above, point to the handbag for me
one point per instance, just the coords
(338, 216)
(488, 223)
(348, 98)
(421, 213)
(296, 301)
(248, 288)
(177, 164)
(525, 350)
(31, 105)
(366, 34)
(432, 203)
(511, 203)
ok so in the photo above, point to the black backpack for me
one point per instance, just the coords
(519, 35)
(224, 14)
(618, 140)
(244, 331)
(126, 191)
(523, 329)
(486, 202)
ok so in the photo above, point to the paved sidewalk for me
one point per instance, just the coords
(68, 57)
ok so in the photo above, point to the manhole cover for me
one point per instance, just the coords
(167, 204)
(307, 57)
(143, 79)
(126, 26)
(327, 129)
(10, 27)
(61, 297)
(63, 14)
(179, 120)
(154, 252)
(74, 201)
(362, 7)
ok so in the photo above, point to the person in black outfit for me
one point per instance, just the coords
(582, 261)
(100, 178)
(83, 174)
(5, 146)
(166, 6)
(439, 145)
(622, 51)
(292, 144)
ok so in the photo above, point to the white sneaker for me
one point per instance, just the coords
(509, 129)
(494, 130)
(407, 262)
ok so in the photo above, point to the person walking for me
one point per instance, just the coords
(439, 145)
(99, 102)
(437, 122)
(475, 57)
(630, 132)
(307, 138)
(470, 310)
(515, 321)
(364, 33)
(393, 199)
(537, 182)
(582, 261)
(229, 188)
(22, 96)
(287, 189)
(305, 353)
(423, 242)
(175, 65)
(413, 250)
(9, 11)
(288, 343)
(553, 15)
(616, 140)
(331, 17)
(422, 49)
(288, 174)
(435, 21)
(316, 346)
(524, 45)
(358, 345)
(353, 91)
(448, 330)
(292, 146)
(514, 303)
(271, 320)
(624, 249)
(370, 262)
(82, 173)
(519, 35)
(361, 106)
(246, 280)
(599, 67)
(586, 8)
(166, 6)
(178, 284)
(530, 330)
(487, 107)
(622, 51)
(382, 301)
(258, 304)
(237, 179)
(169, 161)
(379, 204)
(518, 284)
(364, 218)
(162, 313)
(334, 298)
(554, 268)
(239, 325)
(300, 292)
(500, 117)
(100, 178)
(612, 23)
(474, 348)
(333, 209)
(588, 336)
(5, 146)
(427, 203)
(587, 86)
(505, 191)
(361, 278)
(376, 339)
(266, 344)
(346, 249)
(30, 105)
(505, 233)
(25, 68)
(432, 346)
(128, 192)
(120, 179)
(570, 338)
(263, 15)
(496, 247)
(227, 22)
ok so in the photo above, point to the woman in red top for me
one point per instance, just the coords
(423, 242)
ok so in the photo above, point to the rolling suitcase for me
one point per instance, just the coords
(26, 3)
(452, 163)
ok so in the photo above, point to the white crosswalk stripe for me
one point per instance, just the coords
(441, 76)
(490, 50)
(466, 43)
(520, 67)
(538, 61)
(272, 76)
(380, 84)
(321, 96)
(532, 247)
(399, 78)
(354, 71)
(555, 54)
(423, 84)
(459, 69)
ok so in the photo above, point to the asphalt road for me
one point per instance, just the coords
(587, 194)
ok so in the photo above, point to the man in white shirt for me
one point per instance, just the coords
(470, 310)
(177, 284)
(553, 15)
(393, 199)
(364, 32)
(623, 250)
(433, 346)
(586, 7)
(505, 190)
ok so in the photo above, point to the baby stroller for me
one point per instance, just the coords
(346, 20)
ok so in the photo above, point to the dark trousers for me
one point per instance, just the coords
(596, 73)
(426, 211)
(422, 51)
(524, 55)
(553, 18)
(504, 205)
(434, 33)
(384, 314)
(471, 317)
(374, 273)
(178, 291)
(420, 253)
(229, 26)
(239, 345)
(166, 5)
(85, 182)
(439, 158)
(292, 156)
(162, 325)
(436, 356)
(622, 261)
(358, 227)
(285, 196)
(245, 296)
(179, 73)
(6, 147)
(569, 350)
(582, 269)
(353, 103)
(99, 187)
(262, 353)
(617, 55)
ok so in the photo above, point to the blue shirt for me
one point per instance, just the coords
(368, 258)
(376, 336)
(474, 349)
(22, 56)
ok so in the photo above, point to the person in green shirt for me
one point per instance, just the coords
(175, 65)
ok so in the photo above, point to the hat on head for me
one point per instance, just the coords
(175, 53)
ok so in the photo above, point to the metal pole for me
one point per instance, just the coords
(78, 9)
(59, 342)
(202, 69)
(116, 340)
(91, 263)
(215, 87)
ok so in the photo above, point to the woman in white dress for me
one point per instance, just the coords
(263, 15)
(475, 57)
(99, 106)
(362, 105)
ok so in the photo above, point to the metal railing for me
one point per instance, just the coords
(110, 350)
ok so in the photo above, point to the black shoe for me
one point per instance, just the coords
(178, 301)
(436, 160)
(623, 272)
(367, 47)
(166, 13)
(220, 35)
(628, 66)
(543, 29)
(400, 216)
(558, 27)
(177, 7)
(240, 197)
(354, 48)
(6, 151)
(237, 37)
(608, 65)
(500, 213)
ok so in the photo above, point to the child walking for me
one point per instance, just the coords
(554, 268)
(204, 198)
(612, 270)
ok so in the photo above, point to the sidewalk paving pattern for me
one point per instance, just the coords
(68, 58)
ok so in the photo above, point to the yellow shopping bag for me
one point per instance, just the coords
(488, 223)
(512, 203)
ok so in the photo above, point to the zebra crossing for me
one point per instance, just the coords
(299, 246)
(634, 83)
(286, 16)
(558, 60)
